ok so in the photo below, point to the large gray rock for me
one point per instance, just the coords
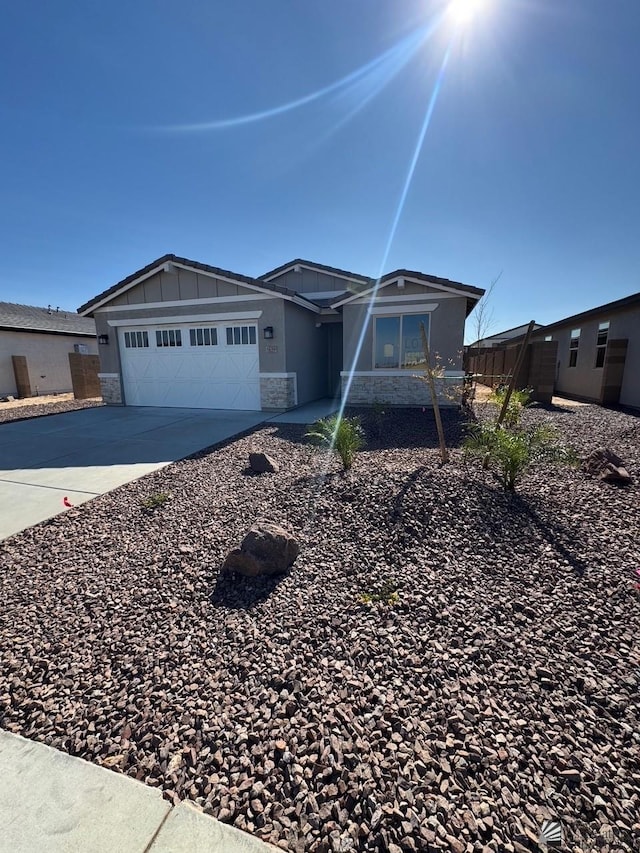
(607, 466)
(267, 549)
(262, 463)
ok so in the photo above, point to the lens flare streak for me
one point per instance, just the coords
(396, 220)
(377, 73)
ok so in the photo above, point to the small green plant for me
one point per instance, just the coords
(155, 501)
(378, 417)
(511, 451)
(384, 593)
(517, 402)
(344, 435)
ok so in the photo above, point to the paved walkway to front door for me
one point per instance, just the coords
(78, 455)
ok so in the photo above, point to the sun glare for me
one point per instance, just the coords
(464, 11)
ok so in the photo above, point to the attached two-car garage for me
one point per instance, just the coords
(203, 365)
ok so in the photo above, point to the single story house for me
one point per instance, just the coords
(183, 333)
(598, 356)
(34, 348)
(502, 337)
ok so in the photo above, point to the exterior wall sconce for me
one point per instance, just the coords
(103, 339)
(268, 333)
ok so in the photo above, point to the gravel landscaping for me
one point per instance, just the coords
(35, 407)
(499, 690)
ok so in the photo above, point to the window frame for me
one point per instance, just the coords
(601, 347)
(574, 344)
(398, 315)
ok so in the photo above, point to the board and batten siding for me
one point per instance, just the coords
(313, 281)
(177, 285)
(143, 303)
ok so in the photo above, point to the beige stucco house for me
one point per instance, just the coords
(41, 338)
(183, 333)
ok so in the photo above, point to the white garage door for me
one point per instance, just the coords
(208, 366)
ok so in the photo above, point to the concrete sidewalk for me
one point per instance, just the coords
(52, 802)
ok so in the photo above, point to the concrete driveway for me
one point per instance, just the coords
(79, 455)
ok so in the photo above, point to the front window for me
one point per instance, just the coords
(398, 341)
(601, 343)
(573, 347)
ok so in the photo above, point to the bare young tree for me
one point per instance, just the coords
(430, 375)
(482, 318)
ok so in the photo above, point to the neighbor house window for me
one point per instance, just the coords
(398, 341)
(573, 347)
(203, 337)
(601, 343)
(132, 340)
(168, 338)
(241, 335)
(548, 337)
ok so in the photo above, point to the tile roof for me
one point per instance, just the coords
(363, 282)
(120, 285)
(323, 267)
(31, 318)
(433, 279)
(358, 283)
(609, 307)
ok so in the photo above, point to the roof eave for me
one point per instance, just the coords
(158, 265)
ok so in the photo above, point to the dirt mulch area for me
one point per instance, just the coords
(499, 691)
(35, 407)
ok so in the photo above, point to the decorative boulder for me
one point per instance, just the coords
(262, 463)
(607, 466)
(267, 549)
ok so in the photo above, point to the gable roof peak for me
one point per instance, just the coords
(314, 265)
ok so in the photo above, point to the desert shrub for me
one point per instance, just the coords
(378, 417)
(344, 435)
(155, 501)
(511, 451)
(517, 402)
(385, 593)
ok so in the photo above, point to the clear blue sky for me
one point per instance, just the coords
(530, 164)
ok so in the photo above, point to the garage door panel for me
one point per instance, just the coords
(218, 376)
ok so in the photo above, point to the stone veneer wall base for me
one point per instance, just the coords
(400, 391)
(278, 392)
(111, 388)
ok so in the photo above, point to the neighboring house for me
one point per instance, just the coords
(183, 333)
(41, 339)
(502, 337)
(599, 353)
